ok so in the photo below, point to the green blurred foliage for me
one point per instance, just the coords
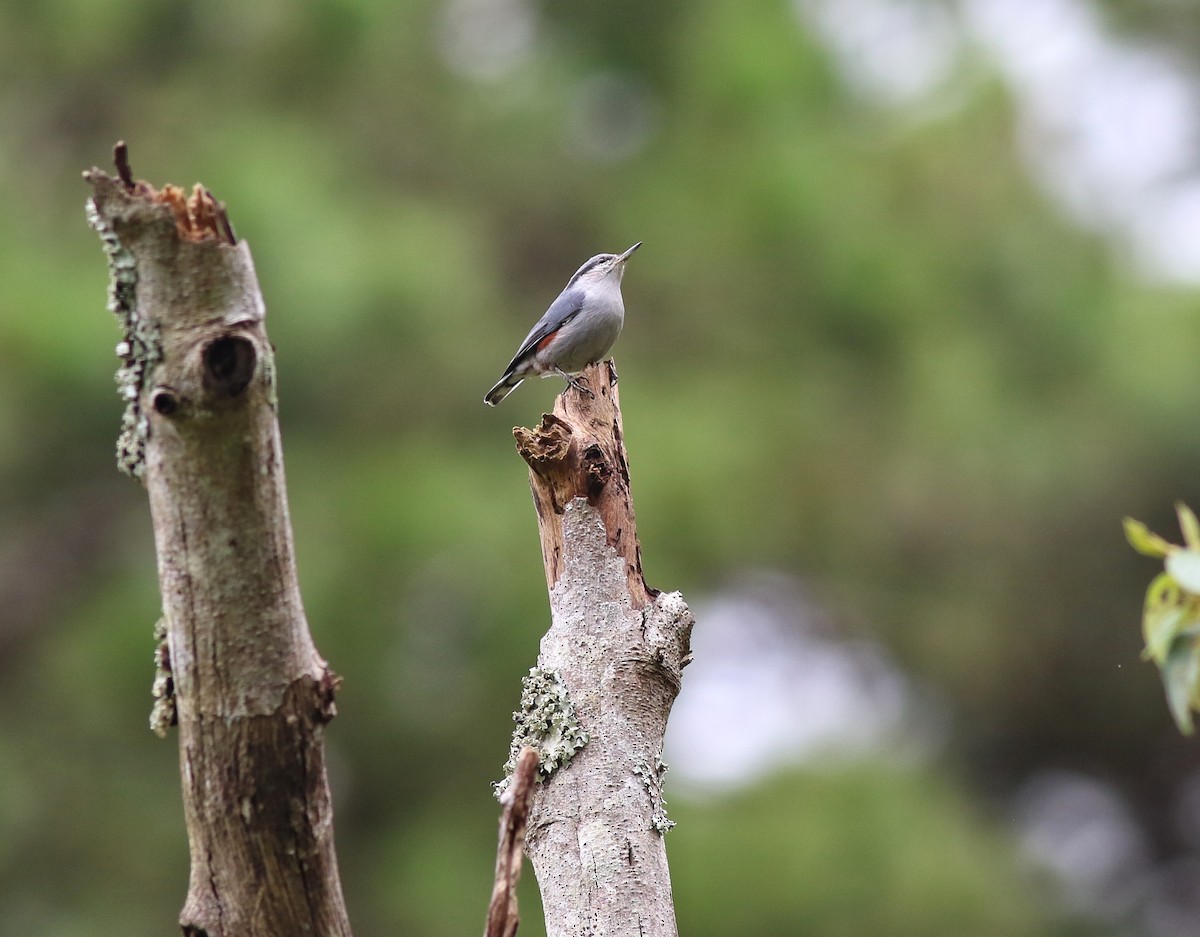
(860, 348)
(1171, 615)
(911, 859)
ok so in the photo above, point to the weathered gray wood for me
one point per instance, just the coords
(503, 917)
(239, 669)
(608, 672)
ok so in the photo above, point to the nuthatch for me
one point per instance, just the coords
(577, 330)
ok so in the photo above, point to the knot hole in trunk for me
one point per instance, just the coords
(229, 364)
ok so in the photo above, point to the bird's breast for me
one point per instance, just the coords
(585, 339)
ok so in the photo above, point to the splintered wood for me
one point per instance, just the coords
(578, 451)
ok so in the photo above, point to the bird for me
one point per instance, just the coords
(578, 329)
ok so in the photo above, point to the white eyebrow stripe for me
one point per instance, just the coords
(588, 265)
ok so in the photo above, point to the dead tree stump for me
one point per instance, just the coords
(238, 669)
(596, 704)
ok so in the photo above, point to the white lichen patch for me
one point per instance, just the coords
(547, 723)
(139, 350)
(163, 715)
(652, 780)
(268, 372)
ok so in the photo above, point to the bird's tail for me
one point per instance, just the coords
(506, 386)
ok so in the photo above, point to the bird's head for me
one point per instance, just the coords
(601, 267)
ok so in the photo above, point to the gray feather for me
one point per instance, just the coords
(561, 311)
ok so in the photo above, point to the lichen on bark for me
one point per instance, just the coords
(546, 722)
(140, 348)
(163, 714)
(652, 779)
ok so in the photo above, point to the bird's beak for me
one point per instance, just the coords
(624, 257)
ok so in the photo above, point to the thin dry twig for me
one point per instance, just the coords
(121, 159)
(502, 918)
(222, 218)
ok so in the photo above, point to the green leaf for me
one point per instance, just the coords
(1164, 616)
(1160, 626)
(1189, 525)
(1184, 566)
(1145, 542)
(1163, 590)
(1181, 678)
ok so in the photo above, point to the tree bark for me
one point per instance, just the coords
(596, 704)
(238, 668)
(503, 917)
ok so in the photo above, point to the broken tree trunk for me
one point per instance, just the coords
(238, 668)
(596, 704)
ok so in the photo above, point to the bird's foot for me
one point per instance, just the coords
(579, 382)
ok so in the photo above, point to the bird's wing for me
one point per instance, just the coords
(561, 311)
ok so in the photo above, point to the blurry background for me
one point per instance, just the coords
(914, 325)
